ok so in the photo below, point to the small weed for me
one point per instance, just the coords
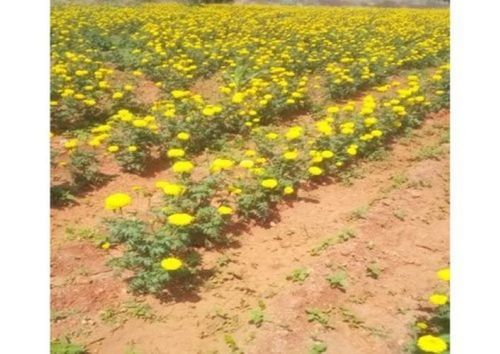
(223, 261)
(400, 214)
(428, 153)
(318, 347)
(321, 317)
(298, 275)
(132, 349)
(231, 343)
(399, 180)
(79, 234)
(420, 184)
(346, 234)
(445, 137)
(373, 270)
(350, 318)
(109, 315)
(139, 310)
(257, 315)
(338, 280)
(359, 213)
(343, 236)
(66, 347)
(61, 315)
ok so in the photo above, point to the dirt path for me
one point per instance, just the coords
(393, 220)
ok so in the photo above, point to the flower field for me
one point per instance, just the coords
(234, 111)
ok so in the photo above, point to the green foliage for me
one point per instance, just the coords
(373, 270)
(338, 280)
(321, 317)
(318, 347)
(84, 169)
(298, 275)
(428, 153)
(257, 315)
(61, 195)
(66, 347)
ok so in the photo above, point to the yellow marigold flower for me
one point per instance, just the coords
(117, 95)
(247, 163)
(294, 133)
(271, 136)
(101, 128)
(105, 245)
(238, 97)
(128, 87)
(352, 149)
(327, 154)
(90, 102)
(94, 142)
(432, 344)
(183, 167)
(291, 155)
(225, 210)
(269, 183)
(117, 201)
(180, 93)
(125, 115)
(132, 148)
(315, 170)
(180, 219)
(183, 136)
(438, 299)
(221, 164)
(333, 109)
(71, 144)
(139, 123)
(376, 133)
(113, 148)
(370, 121)
(250, 153)
(176, 153)
(366, 137)
(173, 189)
(54, 103)
(444, 274)
(288, 190)
(171, 263)
(324, 127)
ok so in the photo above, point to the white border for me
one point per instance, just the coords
(24, 176)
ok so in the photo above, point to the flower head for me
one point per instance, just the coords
(171, 263)
(225, 210)
(432, 344)
(183, 167)
(291, 155)
(269, 183)
(315, 170)
(221, 164)
(117, 201)
(176, 153)
(183, 136)
(444, 274)
(438, 299)
(180, 219)
(173, 189)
